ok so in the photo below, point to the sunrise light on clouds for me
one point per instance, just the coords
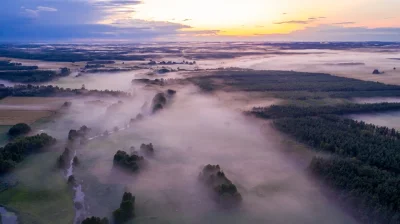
(172, 19)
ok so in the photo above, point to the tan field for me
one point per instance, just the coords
(11, 117)
(15, 110)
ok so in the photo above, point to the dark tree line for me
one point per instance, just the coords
(45, 91)
(374, 145)
(67, 55)
(28, 76)
(280, 111)
(364, 168)
(19, 67)
(372, 194)
(16, 151)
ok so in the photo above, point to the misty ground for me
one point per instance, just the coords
(195, 129)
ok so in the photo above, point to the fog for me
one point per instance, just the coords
(357, 64)
(196, 129)
(192, 131)
(387, 119)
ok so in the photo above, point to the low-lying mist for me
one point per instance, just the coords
(191, 131)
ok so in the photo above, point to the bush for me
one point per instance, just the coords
(95, 220)
(127, 162)
(16, 151)
(19, 129)
(126, 211)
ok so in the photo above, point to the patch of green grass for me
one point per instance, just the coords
(39, 206)
(41, 195)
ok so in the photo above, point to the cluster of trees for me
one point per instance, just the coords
(126, 210)
(123, 214)
(67, 54)
(374, 145)
(151, 62)
(159, 82)
(372, 194)
(101, 62)
(15, 152)
(81, 133)
(8, 63)
(64, 158)
(44, 91)
(214, 178)
(159, 102)
(95, 220)
(364, 168)
(128, 162)
(16, 72)
(28, 76)
(19, 67)
(19, 129)
(9, 66)
(65, 71)
(280, 111)
(91, 66)
(147, 149)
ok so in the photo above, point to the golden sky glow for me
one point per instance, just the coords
(252, 17)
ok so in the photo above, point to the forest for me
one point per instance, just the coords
(65, 54)
(370, 193)
(364, 166)
(281, 111)
(45, 91)
(16, 72)
(374, 145)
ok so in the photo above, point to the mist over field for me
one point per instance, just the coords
(195, 128)
(199, 112)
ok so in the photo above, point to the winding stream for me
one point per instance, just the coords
(8, 217)
(79, 196)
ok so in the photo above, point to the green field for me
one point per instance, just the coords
(41, 195)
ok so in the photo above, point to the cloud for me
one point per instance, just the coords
(46, 9)
(309, 20)
(30, 13)
(186, 20)
(337, 33)
(34, 13)
(115, 3)
(293, 22)
(344, 23)
(124, 29)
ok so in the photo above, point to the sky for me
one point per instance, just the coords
(195, 20)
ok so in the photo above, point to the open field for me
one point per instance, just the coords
(41, 103)
(41, 195)
(15, 110)
(11, 117)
